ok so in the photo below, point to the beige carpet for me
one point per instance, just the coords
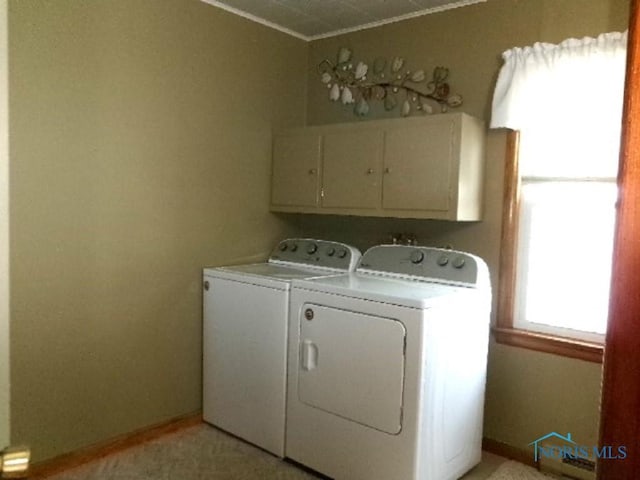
(518, 471)
(203, 452)
(197, 453)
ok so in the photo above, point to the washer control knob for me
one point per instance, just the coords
(312, 248)
(207, 285)
(417, 256)
(458, 262)
(308, 314)
(293, 247)
(283, 247)
(342, 253)
(443, 260)
(331, 252)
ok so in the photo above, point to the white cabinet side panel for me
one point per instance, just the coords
(244, 355)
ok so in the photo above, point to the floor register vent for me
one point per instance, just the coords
(573, 468)
(580, 463)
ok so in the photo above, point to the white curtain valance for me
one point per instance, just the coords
(566, 100)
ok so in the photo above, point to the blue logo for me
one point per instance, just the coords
(570, 449)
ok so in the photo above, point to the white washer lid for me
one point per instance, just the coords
(267, 274)
(395, 291)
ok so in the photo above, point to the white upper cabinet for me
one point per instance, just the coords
(427, 167)
(418, 166)
(351, 166)
(295, 176)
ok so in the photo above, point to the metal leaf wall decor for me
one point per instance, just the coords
(387, 82)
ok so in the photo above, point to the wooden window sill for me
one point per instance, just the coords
(567, 347)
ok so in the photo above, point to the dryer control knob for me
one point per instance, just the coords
(443, 260)
(283, 247)
(331, 252)
(342, 253)
(312, 248)
(459, 262)
(417, 256)
(293, 247)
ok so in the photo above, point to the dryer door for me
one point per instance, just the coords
(352, 366)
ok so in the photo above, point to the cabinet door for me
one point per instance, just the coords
(351, 171)
(296, 170)
(418, 165)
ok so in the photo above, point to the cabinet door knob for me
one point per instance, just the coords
(387, 170)
(312, 171)
(370, 171)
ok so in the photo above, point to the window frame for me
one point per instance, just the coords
(504, 331)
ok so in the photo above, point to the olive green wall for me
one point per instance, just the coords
(140, 152)
(528, 393)
(4, 232)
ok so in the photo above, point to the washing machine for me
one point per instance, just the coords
(245, 323)
(387, 366)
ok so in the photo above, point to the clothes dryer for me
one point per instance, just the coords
(387, 366)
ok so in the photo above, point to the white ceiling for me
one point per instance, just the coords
(313, 19)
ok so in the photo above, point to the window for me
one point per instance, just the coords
(565, 101)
